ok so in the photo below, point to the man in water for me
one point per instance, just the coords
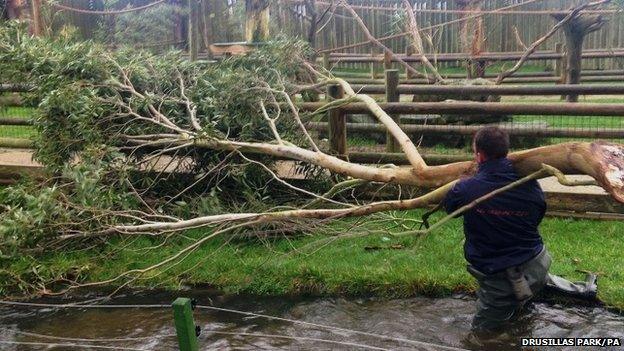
(503, 245)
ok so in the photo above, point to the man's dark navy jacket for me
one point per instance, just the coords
(502, 231)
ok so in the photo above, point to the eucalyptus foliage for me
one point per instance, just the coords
(83, 124)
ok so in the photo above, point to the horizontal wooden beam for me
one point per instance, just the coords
(16, 88)
(484, 108)
(486, 56)
(400, 159)
(519, 130)
(551, 74)
(510, 80)
(15, 121)
(583, 203)
(16, 143)
(597, 216)
(455, 90)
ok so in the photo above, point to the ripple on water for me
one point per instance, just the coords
(441, 321)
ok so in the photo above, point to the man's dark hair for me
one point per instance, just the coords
(493, 142)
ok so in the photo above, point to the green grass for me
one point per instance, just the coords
(433, 265)
(25, 132)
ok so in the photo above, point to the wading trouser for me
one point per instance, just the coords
(496, 301)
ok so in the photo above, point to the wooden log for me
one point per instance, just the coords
(392, 95)
(16, 143)
(598, 216)
(337, 126)
(15, 121)
(458, 90)
(472, 129)
(15, 88)
(399, 158)
(10, 173)
(487, 108)
(235, 48)
(582, 203)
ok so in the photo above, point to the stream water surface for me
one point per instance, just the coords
(402, 322)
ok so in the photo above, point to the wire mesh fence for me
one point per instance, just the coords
(433, 133)
(14, 117)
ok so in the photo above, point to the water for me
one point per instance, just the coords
(444, 321)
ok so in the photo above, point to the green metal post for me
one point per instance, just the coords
(185, 326)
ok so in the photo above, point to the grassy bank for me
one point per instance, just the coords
(378, 264)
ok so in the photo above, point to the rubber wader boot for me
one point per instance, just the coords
(519, 283)
(584, 290)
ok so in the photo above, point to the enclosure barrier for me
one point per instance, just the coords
(485, 56)
(547, 74)
(559, 56)
(458, 90)
(485, 108)
(472, 129)
(510, 80)
(337, 125)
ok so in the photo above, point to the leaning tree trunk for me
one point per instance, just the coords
(575, 31)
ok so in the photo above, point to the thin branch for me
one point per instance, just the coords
(374, 40)
(190, 107)
(417, 42)
(271, 123)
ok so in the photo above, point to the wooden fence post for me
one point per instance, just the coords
(37, 23)
(193, 29)
(387, 60)
(558, 62)
(326, 63)
(184, 324)
(372, 64)
(409, 51)
(337, 123)
(392, 95)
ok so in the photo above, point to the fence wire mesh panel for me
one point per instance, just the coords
(14, 117)
(594, 117)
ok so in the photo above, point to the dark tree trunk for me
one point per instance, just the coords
(575, 31)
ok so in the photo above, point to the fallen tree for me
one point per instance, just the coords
(144, 145)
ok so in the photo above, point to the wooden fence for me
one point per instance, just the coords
(337, 125)
(224, 20)
(531, 21)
